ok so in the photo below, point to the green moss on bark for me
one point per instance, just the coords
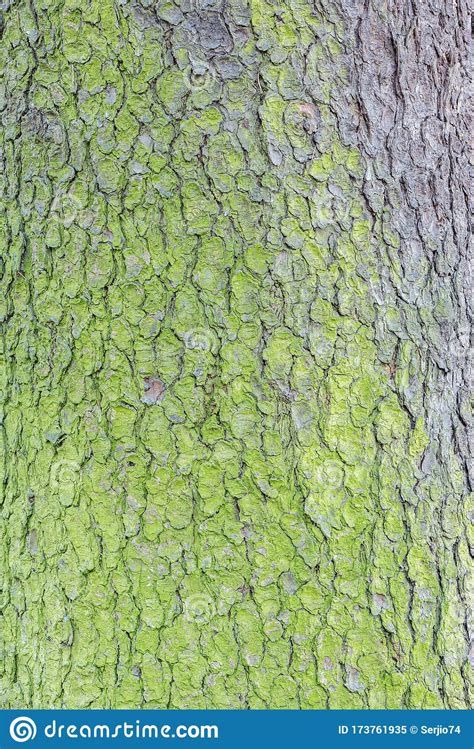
(212, 485)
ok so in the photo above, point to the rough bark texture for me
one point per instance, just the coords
(235, 325)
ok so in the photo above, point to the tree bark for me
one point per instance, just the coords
(234, 354)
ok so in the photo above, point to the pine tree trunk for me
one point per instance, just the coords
(234, 304)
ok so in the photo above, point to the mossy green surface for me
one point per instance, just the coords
(257, 532)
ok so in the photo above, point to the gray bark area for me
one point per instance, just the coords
(410, 82)
(411, 117)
